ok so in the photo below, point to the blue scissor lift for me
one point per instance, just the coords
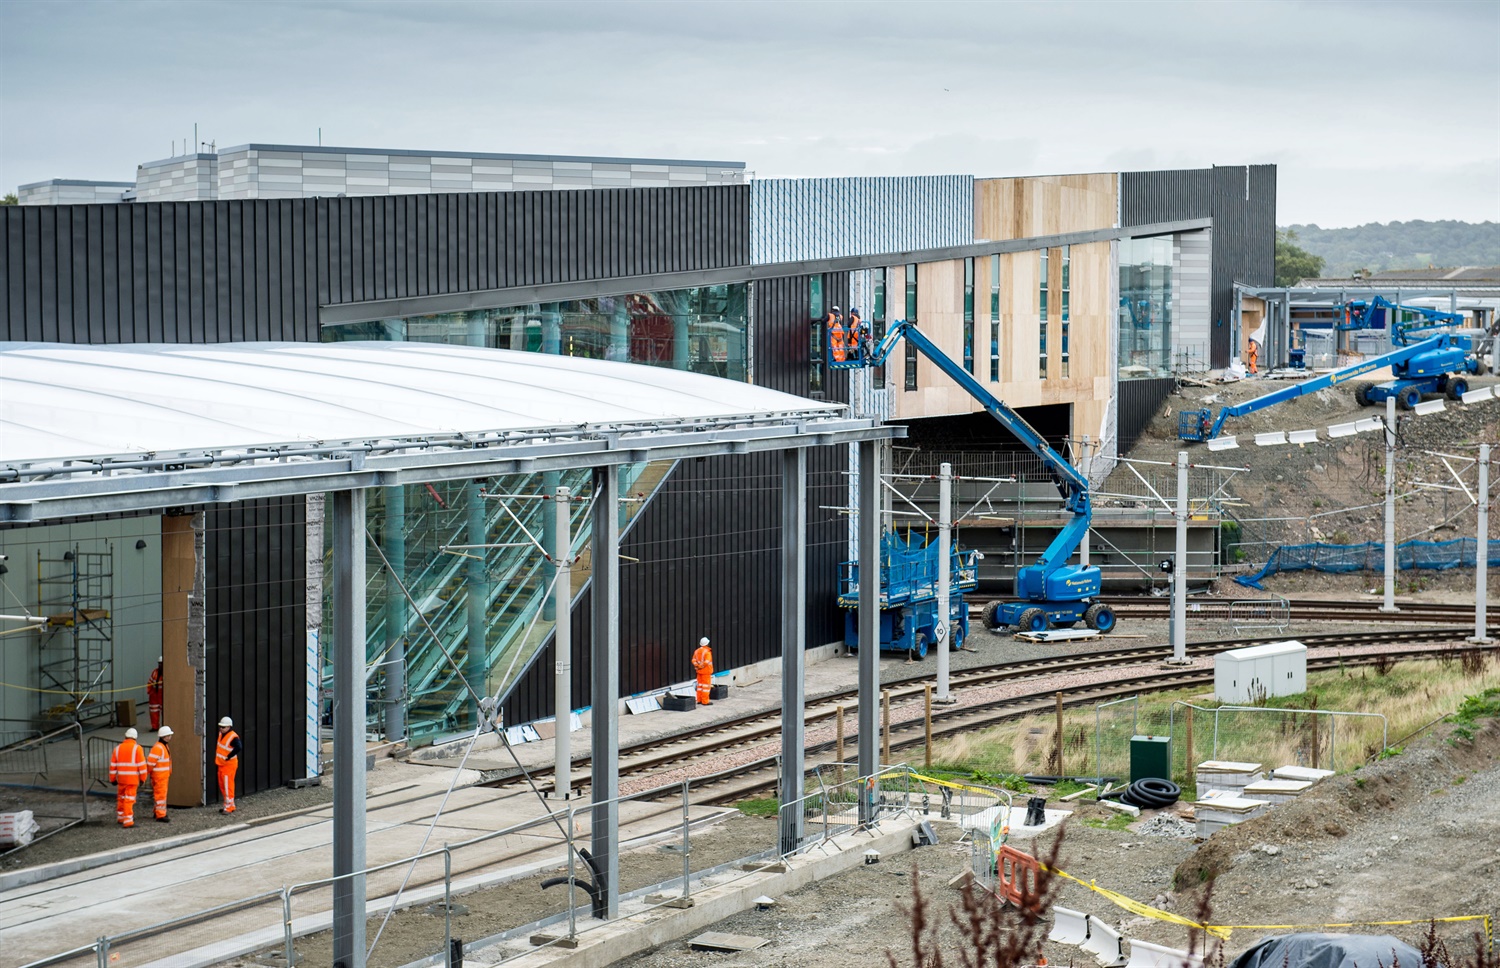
(908, 595)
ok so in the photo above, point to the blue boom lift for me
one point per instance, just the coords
(1051, 592)
(908, 596)
(1431, 366)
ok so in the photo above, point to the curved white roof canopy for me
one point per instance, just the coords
(71, 401)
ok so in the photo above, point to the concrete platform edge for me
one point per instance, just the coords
(649, 929)
(62, 868)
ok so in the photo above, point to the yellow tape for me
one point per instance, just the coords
(1225, 930)
(75, 694)
(952, 784)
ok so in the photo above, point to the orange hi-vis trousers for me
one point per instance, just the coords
(226, 783)
(705, 684)
(159, 781)
(125, 802)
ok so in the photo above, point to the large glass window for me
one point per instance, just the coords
(1066, 260)
(703, 329)
(819, 316)
(994, 319)
(877, 324)
(1145, 311)
(1042, 327)
(911, 317)
(969, 315)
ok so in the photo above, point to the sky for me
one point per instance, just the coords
(1371, 111)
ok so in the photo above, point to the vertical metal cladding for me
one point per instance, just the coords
(1241, 199)
(824, 218)
(1138, 402)
(205, 272)
(255, 571)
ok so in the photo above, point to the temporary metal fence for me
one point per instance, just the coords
(895, 792)
(1330, 739)
(1248, 613)
(36, 756)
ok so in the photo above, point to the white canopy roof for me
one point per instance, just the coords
(74, 401)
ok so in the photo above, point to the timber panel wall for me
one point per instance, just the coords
(1018, 208)
(824, 218)
(206, 272)
(256, 639)
(1241, 199)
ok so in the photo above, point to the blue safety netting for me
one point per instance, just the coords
(1370, 556)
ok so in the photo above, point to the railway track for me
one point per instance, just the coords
(1302, 610)
(701, 748)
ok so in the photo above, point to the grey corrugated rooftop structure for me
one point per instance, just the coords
(93, 428)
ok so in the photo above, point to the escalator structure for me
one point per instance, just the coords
(514, 578)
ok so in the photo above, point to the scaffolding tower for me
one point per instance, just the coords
(76, 655)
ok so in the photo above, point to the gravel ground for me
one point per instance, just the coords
(1350, 850)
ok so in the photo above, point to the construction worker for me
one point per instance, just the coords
(703, 665)
(153, 695)
(836, 345)
(227, 759)
(1254, 355)
(127, 768)
(159, 763)
(859, 336)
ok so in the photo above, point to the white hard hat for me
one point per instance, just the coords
(131, 733)
(164, 732)
(159, 660)
(703, 641)
(226, 722)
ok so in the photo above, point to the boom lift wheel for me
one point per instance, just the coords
(1362, 395)
(991, 616)
(1032, 620)
(919, 651)
(1457, 387)
(1099, 617)
(1409, 398)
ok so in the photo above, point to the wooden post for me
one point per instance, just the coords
(885, 727)
(927, 716)
(838, 743)
(1190, 767)
(1057, 755)
(1313, 721)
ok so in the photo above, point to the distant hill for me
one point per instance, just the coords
(1401, 245)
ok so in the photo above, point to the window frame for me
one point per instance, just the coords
(910, 375)
(877, 322)
(1044, 266)
(969, 314)
(995, 318)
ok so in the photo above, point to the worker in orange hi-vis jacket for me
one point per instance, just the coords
(1254, 356)
(836, 344)
(159, 763)
(153, 695)
(127, 768)
(703, 665)
(227, 759)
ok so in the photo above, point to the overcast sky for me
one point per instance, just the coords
(1372, 111)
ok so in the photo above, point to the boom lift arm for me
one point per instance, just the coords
(1429, 360)
(1054, 591)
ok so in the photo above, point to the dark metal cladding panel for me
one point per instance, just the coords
(1165, 196)
(256, 616)
(711, 532)
(1139, 401)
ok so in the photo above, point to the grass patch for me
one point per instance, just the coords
(762, 807)
(1118, 821)
(1409, 694)
(962, 773)
(1064, 787)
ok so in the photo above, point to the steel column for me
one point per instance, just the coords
(1179, 565)
(869, 613)
(1390, 504)
(395, 614)
(605, 690)
(1482, 552)
(349, 727)
(562, 643)
(793, 641)
(944, 578)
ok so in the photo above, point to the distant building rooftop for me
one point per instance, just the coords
(1460, 275)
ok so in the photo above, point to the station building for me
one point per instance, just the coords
(1078, 299)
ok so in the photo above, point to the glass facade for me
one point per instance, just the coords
(1042, 327)
(969, 315)
(703, 329)
(877, 324)
(994, 319)
(1066, 273)
(456, 570)
(1145, 311)
(911, 316)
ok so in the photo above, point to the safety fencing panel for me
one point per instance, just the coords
(1327, 739)
(1370, 556)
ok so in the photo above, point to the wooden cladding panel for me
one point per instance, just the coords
(1016, 208)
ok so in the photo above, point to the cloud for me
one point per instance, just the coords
(812, 88)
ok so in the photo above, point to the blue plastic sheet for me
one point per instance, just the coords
(1370, 556)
